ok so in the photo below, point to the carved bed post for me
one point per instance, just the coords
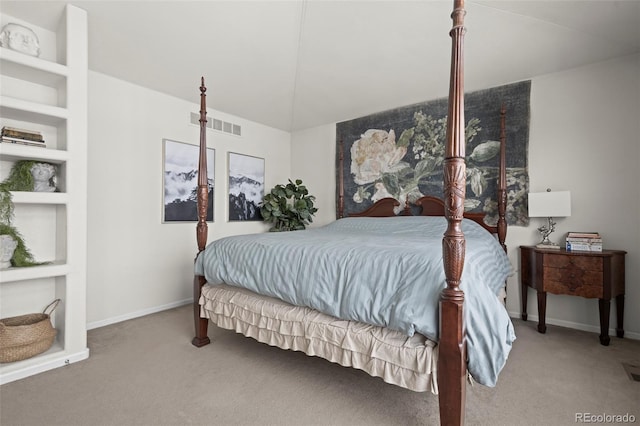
(340, 206)
(201, 324)
(452, 353)
(502, 181)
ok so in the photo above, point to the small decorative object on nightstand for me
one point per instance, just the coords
(549, 204)
(593, 275)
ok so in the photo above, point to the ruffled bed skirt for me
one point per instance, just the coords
(409, 362)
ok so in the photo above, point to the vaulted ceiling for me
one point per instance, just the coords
(299, 64)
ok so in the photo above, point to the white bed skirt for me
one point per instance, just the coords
(409, 362)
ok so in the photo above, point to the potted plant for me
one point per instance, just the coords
(288, 207)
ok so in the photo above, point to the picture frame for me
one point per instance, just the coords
(245, 187)
(180, 182)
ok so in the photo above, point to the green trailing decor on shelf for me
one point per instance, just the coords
(21, 255)
(20, 178)
(26, 175)
(288, 207)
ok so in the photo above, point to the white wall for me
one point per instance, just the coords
(137, 264)
(313, 160)
(584, 138)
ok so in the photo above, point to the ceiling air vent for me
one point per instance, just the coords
(217, 124)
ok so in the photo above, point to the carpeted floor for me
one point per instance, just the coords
(146, 372)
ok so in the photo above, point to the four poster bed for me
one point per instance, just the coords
(374, 291)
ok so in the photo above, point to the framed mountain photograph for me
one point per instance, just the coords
(180, 182)
(246, 187)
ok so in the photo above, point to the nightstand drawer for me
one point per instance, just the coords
(574, 262)
(574, 288)
(573, 275)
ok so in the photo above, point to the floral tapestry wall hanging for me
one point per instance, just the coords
(399, 153)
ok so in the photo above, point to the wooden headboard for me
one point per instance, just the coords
(429, 206)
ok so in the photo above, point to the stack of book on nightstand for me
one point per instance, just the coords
(21, 137)
(583, 241)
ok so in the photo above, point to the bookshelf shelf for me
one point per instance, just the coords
(16, 152)
(35, 70)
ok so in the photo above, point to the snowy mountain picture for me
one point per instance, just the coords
(181, 181)
(246, 187)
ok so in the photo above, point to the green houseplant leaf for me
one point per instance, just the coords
(288, 207)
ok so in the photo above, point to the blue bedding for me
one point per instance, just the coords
(374, 270)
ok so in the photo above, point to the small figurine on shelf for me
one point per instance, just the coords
(20, 38)
(44, 177)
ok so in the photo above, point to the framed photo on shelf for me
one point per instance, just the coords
(246, 187)
(180, 182)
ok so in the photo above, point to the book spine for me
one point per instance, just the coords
(12, 139)
(573, 246)
(22, 142)
(21, 135)
(34, 138)
(583, 235)
(18, 129)
(584, 240)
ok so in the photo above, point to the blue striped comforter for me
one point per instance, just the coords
(381, 271)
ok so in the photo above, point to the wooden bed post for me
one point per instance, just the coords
(340, 204)
(201, 324)
(502, 181)
(452, 353)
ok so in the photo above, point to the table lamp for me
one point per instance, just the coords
(549, 204)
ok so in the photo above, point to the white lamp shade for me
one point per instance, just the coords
(550, 204)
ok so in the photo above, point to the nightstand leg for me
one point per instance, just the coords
(524, 302)
(605, 308)
(620, 315)
(542, 311)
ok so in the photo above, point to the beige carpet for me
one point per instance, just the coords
(146, 372)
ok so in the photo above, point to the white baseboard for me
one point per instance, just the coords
(55, 357)
(137, 314)
(575, 325)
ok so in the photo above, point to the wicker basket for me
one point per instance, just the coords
(28, 335)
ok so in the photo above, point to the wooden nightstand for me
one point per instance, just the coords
(577, 273)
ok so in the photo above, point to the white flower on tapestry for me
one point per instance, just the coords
(377, 158)
(381, 192)
(375, 154)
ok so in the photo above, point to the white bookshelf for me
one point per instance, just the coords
(54, 225)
